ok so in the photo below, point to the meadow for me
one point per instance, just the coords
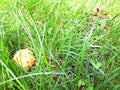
(76, 44)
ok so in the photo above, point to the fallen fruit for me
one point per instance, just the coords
(25, 58)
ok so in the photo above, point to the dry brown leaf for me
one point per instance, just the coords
(25, 58)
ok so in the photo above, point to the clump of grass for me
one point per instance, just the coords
(72, 51)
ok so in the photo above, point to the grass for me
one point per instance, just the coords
(74, 48)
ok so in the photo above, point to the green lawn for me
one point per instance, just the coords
(76, 44)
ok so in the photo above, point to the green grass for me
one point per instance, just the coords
(73, 49)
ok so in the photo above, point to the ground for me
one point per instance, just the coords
(76, 44)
